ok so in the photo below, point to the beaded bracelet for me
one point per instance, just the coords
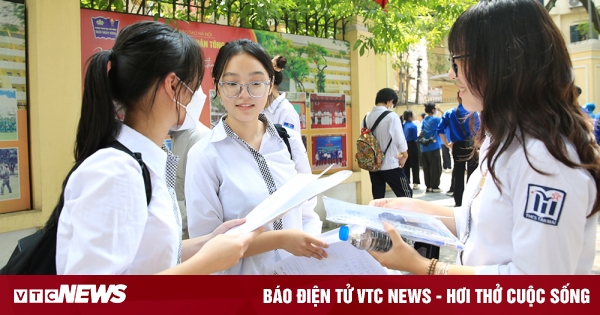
(432, 266)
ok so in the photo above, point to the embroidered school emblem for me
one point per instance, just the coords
(544, 204)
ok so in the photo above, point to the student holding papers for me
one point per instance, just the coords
(531, 206)
(244, 160)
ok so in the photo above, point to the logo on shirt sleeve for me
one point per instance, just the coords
(288, 125)
(544, 204)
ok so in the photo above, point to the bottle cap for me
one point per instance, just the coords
(344, 233)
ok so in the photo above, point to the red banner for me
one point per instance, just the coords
(299, 294)
(100, 28)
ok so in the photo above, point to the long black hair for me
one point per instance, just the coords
(143, 55)
(517, 62)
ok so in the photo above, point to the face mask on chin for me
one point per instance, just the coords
(193, 111)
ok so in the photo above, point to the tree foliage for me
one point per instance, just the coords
(394, 29)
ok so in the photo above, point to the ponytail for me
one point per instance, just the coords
(98, 125)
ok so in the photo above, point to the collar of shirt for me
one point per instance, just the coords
(219, 133)
(379, 108)
(276, 103)
(154, 157)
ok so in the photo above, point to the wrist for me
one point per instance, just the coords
(422, 265)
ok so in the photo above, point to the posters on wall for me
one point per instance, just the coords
(14, 163)
(8, 115)
(316, 77)
(327, 150)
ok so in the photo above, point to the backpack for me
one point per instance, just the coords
(368, 153)
(285, 137)
(36, 253)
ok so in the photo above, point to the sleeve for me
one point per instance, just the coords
(550, 243)
(290, 116)
(311, 222)
(397, 134)
(204, 208)
(441, 128)
(413, 132)
(105, 205)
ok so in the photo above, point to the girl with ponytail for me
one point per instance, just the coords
(105, 224)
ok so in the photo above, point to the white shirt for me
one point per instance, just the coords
(282, 112)
(223, 182)
(105, 226)
(506, 236)
(390, 127)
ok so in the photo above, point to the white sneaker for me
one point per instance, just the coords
(450, 193)
(436, 190)
(415, 186)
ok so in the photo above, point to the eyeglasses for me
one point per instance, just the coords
(454, 65)
(234, 89)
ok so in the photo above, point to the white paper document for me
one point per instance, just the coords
(411, 225)
(296, 191)
(344, 259)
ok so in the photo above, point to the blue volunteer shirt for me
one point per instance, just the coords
(429, 128)
(450, 120)
(597, 129)
(410, 131)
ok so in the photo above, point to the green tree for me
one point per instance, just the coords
(400, 24)
(297, 67)
(316, 54)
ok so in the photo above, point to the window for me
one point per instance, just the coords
(578, 32)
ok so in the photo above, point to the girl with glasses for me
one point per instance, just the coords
(532, 204)
(110, 223)
(244, 160)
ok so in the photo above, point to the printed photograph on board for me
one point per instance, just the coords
(298, 100)
(327, 111)
(8, 115)
(9, 174)
(327, 150)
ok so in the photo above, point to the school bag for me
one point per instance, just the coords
(36, 253)
(285, 137)
(368, 152)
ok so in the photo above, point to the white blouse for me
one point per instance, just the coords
(223, 182)
(106, 226)
(538, 224)
(282, 112)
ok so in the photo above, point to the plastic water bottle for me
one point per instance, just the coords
(365, 238)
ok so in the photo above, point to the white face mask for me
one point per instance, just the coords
(193, 110)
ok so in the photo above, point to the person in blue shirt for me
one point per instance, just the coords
(411, 134)
(589, 108)
(431, 153)
(460, 141)
(596, 129)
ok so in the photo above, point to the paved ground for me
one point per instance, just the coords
(449, 255)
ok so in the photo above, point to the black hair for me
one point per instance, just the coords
(407, 115)
(280, 61)
(429, 107)
(518, 64)
(422, 115)
(143, 55)
(385, 95)
(237, 47)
